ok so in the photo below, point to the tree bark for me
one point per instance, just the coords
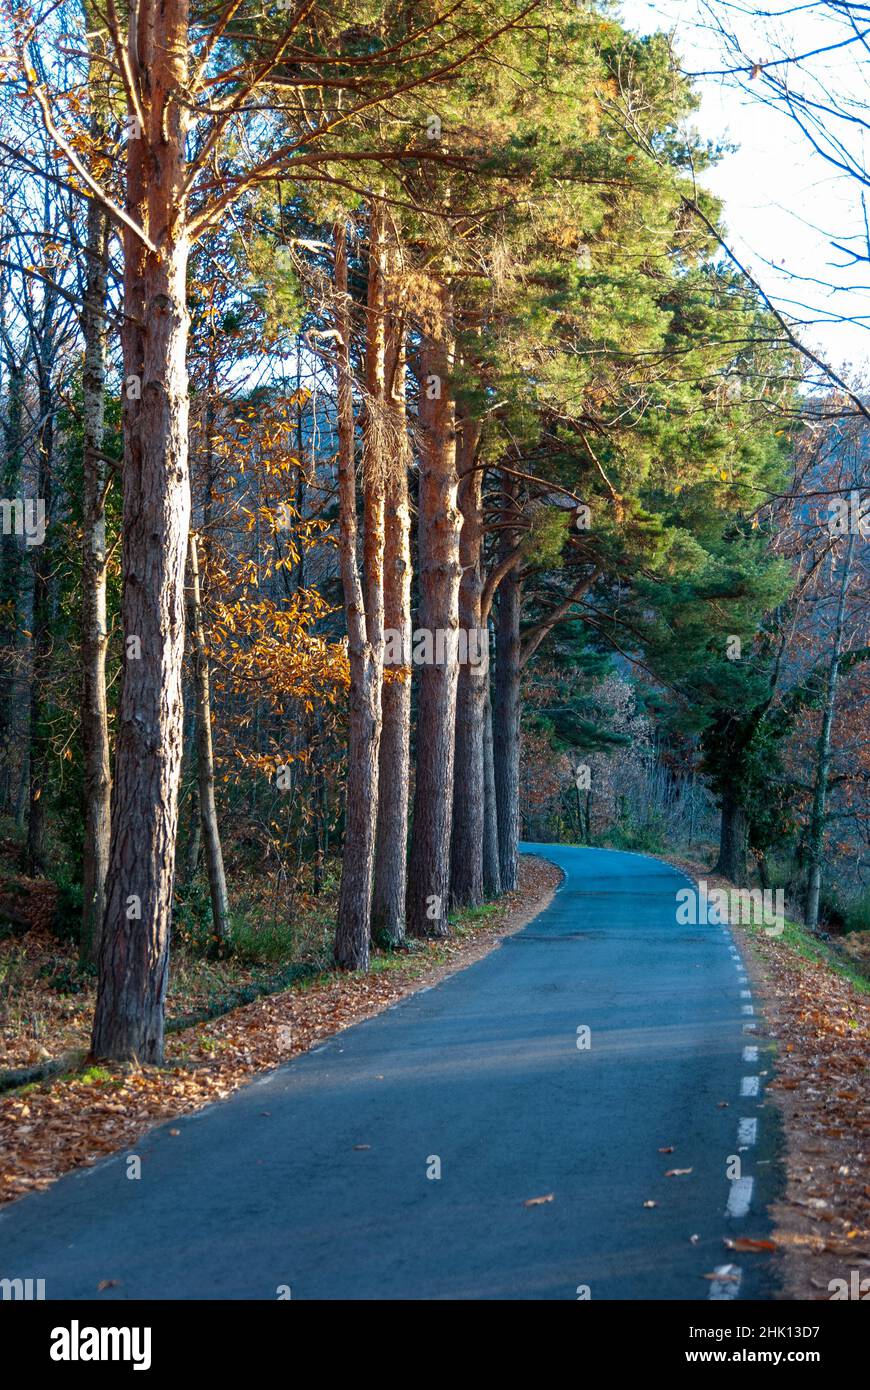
(220, 907)
(353, 926)
(375, 434)
(506, 718)
(733, 839)
(468, 829)
(491, 865)
(439, 571)
(134, 954)
(513, 652)
(816, 836)
(390, 880)
(95, 717)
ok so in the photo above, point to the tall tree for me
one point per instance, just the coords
(816, 830)
(95, 485)
(390, 870)
(468, 829)
(439, 576)
(353, 925)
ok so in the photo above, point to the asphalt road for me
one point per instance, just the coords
(315, 1180)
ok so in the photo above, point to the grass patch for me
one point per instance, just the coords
(471, 917)
(802, 943)
(262, 942)
(95, 1076)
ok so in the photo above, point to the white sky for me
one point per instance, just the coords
(782, 201)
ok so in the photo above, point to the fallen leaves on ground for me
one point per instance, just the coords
(819, 1022)
(48, 1129)
(747, 1246)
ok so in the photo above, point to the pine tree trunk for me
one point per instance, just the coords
(375, 435)
(816, 836)
(439, 571)
(506, 723)
(375, 467)
(468, 830)
(388, 898)
(95, 719)
(353, 925)
(491, 866)
(134, 954)
(214, 859)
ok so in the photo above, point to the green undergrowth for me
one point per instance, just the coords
(802, 943)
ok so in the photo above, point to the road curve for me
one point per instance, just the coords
(319, 1178)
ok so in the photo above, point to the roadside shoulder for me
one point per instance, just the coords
(817, 1014)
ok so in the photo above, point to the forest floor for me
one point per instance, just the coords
(816, 1009)
(48, 1128)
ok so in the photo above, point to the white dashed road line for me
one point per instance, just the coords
(747, 1132)
(740, 1197)
(727, 1285)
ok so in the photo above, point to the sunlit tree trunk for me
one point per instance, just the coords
(468, 829)
(353, 926)
(491, 866)
(375, 434)
(134, 954)
(439, 574)
(388, 899)
(506, 717)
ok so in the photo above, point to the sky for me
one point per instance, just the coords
(782, 201)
